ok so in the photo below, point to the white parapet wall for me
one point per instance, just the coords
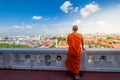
(94, 59)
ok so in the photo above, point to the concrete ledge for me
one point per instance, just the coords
(93, 59)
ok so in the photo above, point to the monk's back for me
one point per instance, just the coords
(74, 40)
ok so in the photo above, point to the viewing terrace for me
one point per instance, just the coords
(48, 64)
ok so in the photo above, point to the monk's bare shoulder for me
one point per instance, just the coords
(79, 34)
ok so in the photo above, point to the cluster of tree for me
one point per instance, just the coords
(92, 44)
(6, 45)
(59, 39)
(53, 45)
(113, 38)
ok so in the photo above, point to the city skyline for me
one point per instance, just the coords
(57, 16)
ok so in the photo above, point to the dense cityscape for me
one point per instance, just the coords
(98, 40)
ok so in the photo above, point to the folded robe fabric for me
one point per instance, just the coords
(74, 41)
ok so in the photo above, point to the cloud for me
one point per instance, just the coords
(88, 23)
(29, 27)
(118, 5)
(40, 17)
(16, 26)
(77, 22)
(22, 27)
(100, 23)
(23, 23)
(76, 9)
(55, 17)
(37, 17)
(66, 6)
(46, 18)
(89, 9)
(71, 8)
(2, 30)
(103, 24)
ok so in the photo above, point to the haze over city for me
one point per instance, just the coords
(23, 17)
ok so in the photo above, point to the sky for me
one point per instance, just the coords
(31, 17)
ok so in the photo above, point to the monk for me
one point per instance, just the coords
(75, 42)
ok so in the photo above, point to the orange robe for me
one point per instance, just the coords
(73, 56)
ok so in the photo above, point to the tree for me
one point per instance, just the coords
(6, 38)
(110, 37)
(6, 45)
(53, 45)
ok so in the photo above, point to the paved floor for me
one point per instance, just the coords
(54, 75)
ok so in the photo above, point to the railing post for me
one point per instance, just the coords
(82, 61)
(7, 60)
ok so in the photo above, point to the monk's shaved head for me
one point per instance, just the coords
(75, 28)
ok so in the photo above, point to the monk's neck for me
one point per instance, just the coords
(74, 31)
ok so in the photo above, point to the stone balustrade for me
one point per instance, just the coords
(102, 60)
(94, 59)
